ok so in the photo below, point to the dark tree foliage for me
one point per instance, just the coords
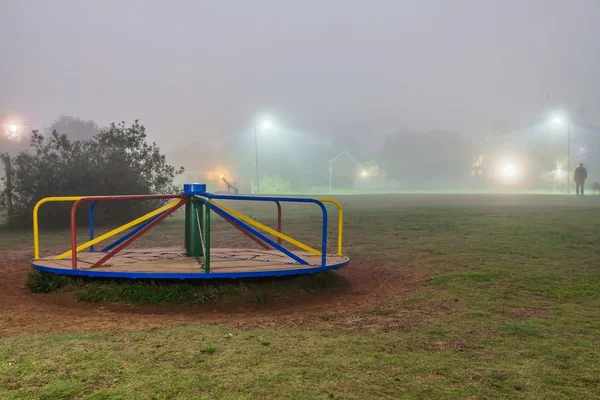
(116, 161)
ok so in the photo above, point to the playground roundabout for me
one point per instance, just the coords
(198, 260)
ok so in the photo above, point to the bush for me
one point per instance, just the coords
(274, 185)
(116, 161)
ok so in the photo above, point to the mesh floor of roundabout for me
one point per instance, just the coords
(172, 263)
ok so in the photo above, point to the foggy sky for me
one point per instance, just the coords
(195, 69)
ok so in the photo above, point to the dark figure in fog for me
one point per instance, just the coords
(580, 177)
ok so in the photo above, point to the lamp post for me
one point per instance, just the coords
(558, 121)
(13, 134)
(265, 125)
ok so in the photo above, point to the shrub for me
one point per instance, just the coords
(274, 185)
(116, 161)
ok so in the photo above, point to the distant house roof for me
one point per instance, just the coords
(345, 165)
(342, 154)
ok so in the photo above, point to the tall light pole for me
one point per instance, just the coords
(13, 134)
(568, 157)
(558, 121)
(265, 125)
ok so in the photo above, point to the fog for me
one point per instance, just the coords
(414, 91)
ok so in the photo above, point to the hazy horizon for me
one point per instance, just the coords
(192, 70)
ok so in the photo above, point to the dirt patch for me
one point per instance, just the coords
(370, 286)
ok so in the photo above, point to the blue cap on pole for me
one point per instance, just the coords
(194, 188)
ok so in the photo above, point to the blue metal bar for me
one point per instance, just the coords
(288, 200)
(190, 275)
(256, 233)
(130, 234)
(92, 220)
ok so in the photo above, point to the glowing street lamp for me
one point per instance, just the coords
(509, 171)
(13, 132)
(558, 172)
(265, 125)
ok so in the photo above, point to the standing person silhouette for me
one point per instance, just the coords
(580, 177)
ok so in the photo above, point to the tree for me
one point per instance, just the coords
(6, 201)
(116, 161)
(372, 168)
(74, 128)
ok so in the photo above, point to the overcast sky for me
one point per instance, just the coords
(190, 69)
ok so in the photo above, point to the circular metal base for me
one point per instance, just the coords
(172, 263)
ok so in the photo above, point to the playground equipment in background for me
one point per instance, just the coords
(230, 187)
(198, 260)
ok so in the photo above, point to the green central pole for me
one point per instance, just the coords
(193, 226)
(197, 223)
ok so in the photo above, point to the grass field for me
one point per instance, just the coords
(447, 296)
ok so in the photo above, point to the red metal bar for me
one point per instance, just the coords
(278, 220)
(245, 232)
(108, 198)
(126, 243)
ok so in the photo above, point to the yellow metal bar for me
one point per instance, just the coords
(340, 220)
(119, 229)
(267, 229)
(36, 227)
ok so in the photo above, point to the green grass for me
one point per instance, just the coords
(43, 282)
(506, 305)
(207, 348)
(208, 362)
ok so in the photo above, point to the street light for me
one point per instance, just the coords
(509, 171)
(559, 121)
(265, 125)
(13, 132)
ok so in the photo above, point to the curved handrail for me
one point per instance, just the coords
(74, 249)
(36, 227)
(340, 220)
(287, 200)
(265, 228)
(278, 219)
(259, 235)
